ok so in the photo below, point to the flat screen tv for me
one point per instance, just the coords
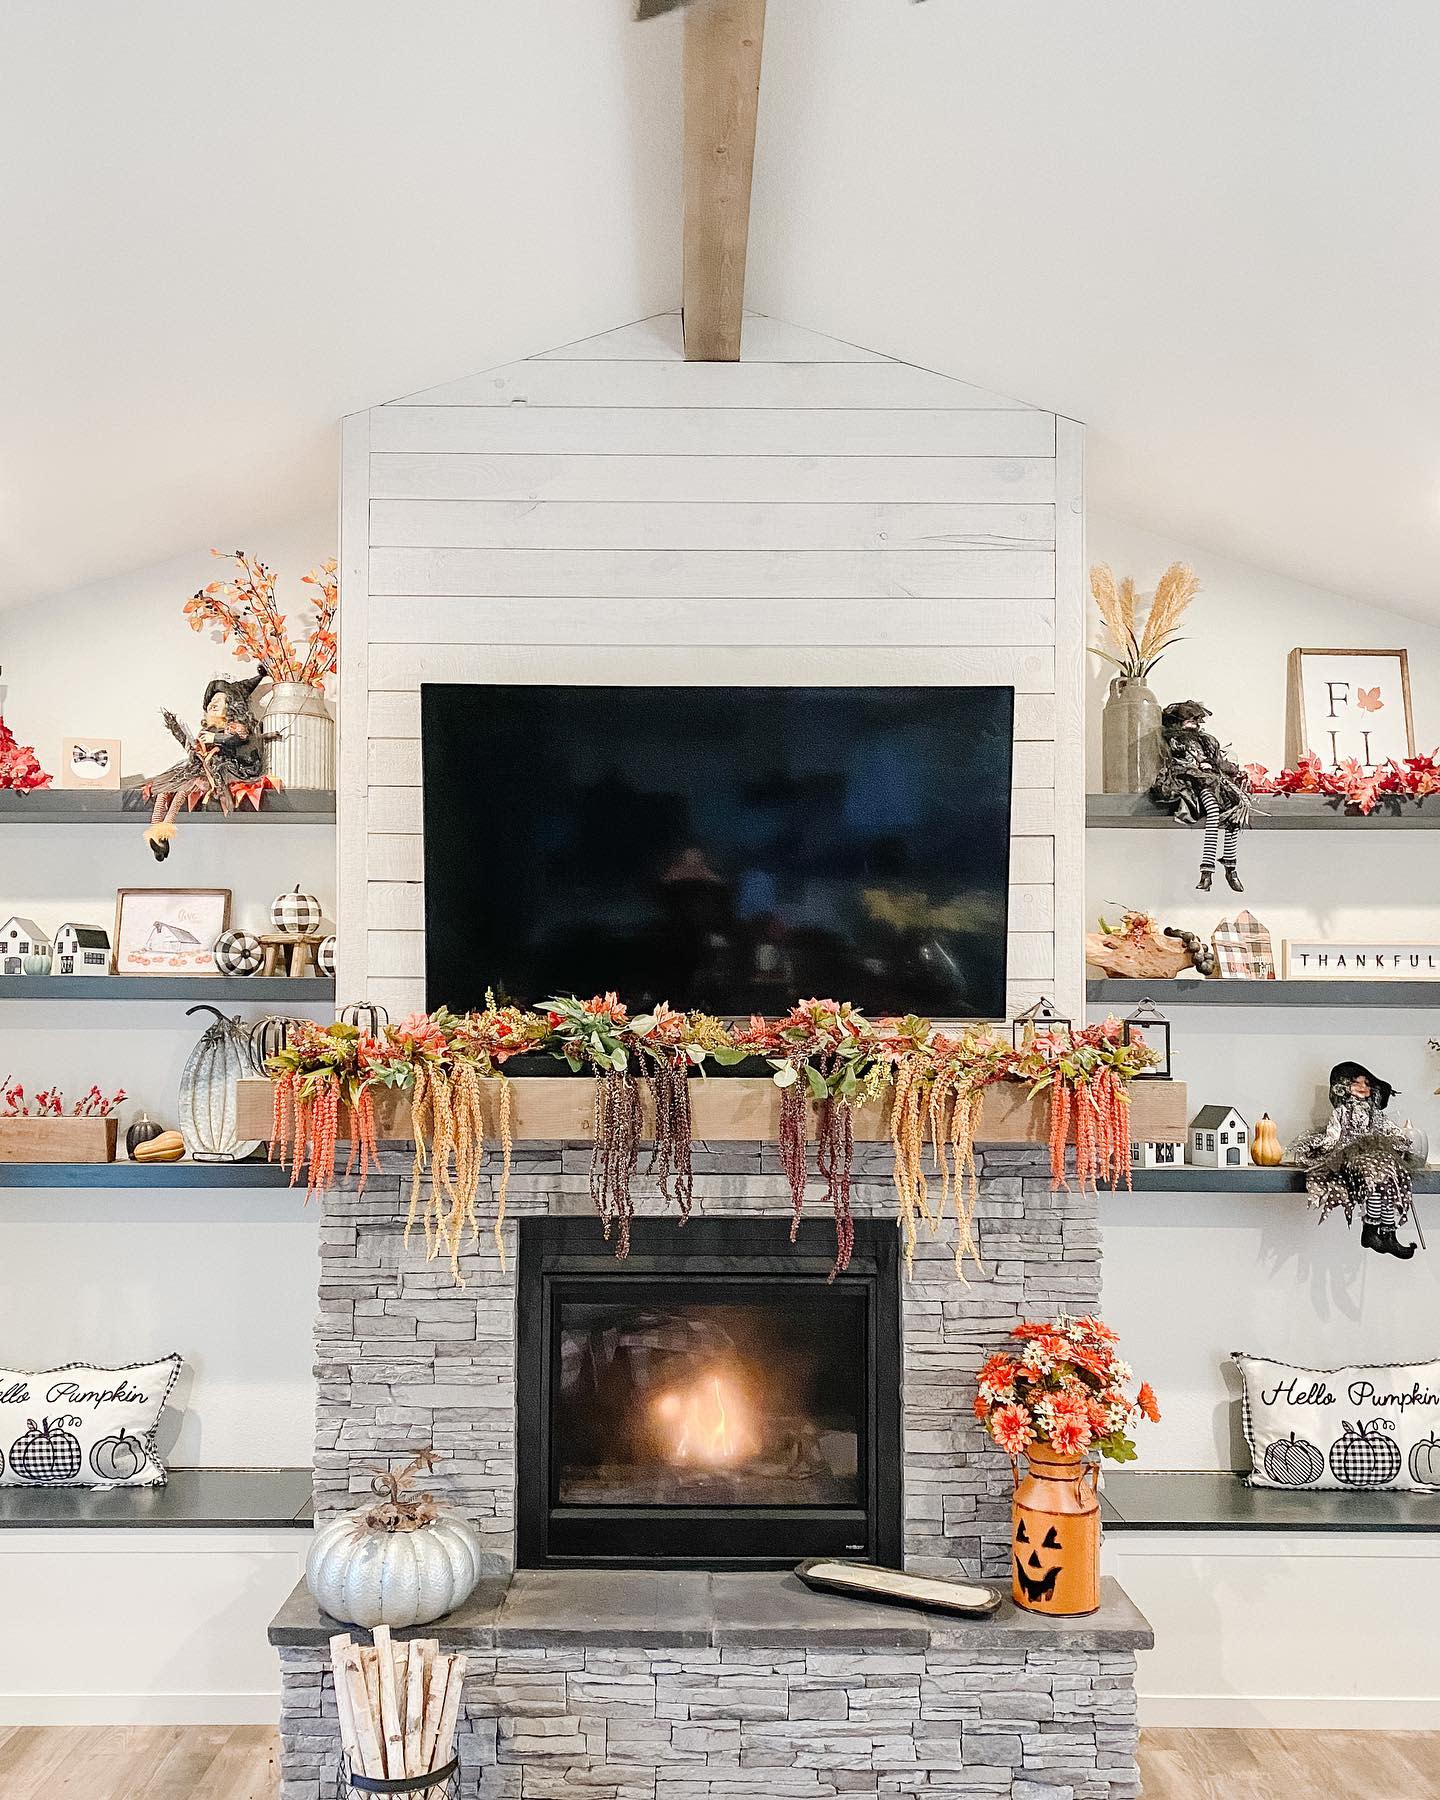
(732, 849)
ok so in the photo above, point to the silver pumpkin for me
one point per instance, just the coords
(209, 1104)
(364, 1576)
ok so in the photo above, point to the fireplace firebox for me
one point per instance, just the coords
(712, 1402)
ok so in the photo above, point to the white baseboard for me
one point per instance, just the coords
(1291, 1712)
(140, 1709)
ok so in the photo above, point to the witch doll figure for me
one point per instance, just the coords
(1359, 1160)
(224, 762)
(1198, 781)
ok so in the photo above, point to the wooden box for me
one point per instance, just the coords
(736, 1110)
(58, 1140)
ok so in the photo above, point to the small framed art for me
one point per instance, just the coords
(169, 931)
(90, 763)
(1348, 703)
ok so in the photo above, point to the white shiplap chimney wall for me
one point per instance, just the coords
(608, 513)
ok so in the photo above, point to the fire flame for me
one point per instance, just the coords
(707, 1423)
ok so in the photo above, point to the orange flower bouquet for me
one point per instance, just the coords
(246, 611)
(1063, 1386)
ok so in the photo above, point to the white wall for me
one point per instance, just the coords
(817, 514)
(226, 1277)
(1259, 1272)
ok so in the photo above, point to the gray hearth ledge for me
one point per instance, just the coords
(685, 1609)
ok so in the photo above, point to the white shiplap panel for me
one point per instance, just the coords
(1030, 956)
(715, 574)
(395, 762)
(702, 525)
(1004, 625)
(662, 339)
(820, 385)
(353, 710)
(1070, 604)
(1032, 905)
(1032, 859)
(399, 998)
(397, 715)
(831, 478)
(709, 431)
(397, 953)
(401, 856)
(396, 906)
(400, 666)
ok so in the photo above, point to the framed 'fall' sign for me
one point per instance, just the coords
(1344, 704)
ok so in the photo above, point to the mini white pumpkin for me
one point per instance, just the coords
(402, 1562)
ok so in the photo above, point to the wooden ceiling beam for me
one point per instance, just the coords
(723, 42)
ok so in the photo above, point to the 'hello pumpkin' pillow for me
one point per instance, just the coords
(82, 1426)
(1361, 1428)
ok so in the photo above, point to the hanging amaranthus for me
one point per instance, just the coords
(1088, 1076)
(598, 1034)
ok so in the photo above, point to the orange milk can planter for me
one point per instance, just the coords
(1055, 1534)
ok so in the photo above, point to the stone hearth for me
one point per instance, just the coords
(680, 1686)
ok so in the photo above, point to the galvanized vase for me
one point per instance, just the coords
(1130, 737)
(303, 754)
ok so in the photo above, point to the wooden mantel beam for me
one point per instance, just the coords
(723, 41)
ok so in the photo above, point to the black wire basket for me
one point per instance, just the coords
(439, 1784)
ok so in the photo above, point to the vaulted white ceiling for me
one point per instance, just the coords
(1206, 230)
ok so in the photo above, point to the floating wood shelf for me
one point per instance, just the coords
(177, 1176)
(53, 806)
(1248, 1180)
(1293, 812)
(259, 990)
(1113, 992)
(739, 1111)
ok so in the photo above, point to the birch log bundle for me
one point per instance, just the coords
(399, 1704)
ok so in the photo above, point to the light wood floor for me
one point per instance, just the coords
(222, 1762)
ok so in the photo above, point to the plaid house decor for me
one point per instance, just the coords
(1243, 947)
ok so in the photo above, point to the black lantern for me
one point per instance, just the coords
(1039, 1020)
(1147, 1025)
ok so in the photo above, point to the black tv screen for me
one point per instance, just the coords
(732, 849)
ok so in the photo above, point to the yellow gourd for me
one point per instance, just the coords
(1265, 1148)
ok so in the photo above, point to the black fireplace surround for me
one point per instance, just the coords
(711, 1402)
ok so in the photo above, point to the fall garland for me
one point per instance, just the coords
(822, 1051)
(1360, 789)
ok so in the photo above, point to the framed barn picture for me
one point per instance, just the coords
(1348, 703)
(169, 931)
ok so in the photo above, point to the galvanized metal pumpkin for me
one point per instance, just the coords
(403, 1562)
(209, 1105)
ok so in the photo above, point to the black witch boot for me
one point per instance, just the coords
(1383, 1241)
(1232, 875)
(1202, 886)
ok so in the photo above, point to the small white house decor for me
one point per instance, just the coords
(82, 950)
(1152, 1154)
(20, 938)
(1218, 1138)
(1305, 960)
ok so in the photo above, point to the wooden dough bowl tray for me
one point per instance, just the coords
(734, 1110)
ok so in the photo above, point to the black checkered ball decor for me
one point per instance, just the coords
(295, 914)
(238, 953)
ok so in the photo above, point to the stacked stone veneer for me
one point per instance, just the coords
(735, 1723)
(406, 1358)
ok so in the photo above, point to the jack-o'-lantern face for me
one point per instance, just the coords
(1037, 1565)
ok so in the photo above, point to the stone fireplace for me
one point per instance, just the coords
(717, 1400)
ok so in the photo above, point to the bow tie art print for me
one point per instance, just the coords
(90, 763)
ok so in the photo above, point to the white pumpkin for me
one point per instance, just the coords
(364, 1576)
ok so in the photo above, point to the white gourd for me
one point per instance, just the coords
(368, 1577)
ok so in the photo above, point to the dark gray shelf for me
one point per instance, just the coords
(260, 990)
(1247, 1180)
(1165, 994)
(192, 1499)
(51, 806)
(181, 1175)
(1295, 812)
(1218, 1500)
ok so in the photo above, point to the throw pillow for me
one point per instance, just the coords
(1362, 1427)
(83, 1426)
